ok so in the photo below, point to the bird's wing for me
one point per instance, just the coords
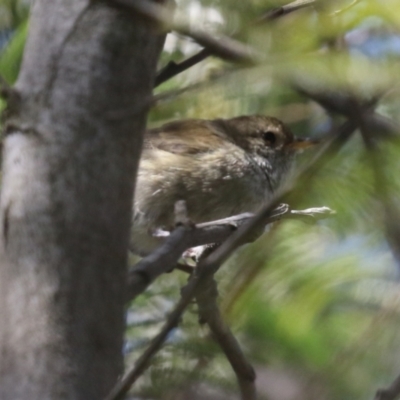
(191, 136)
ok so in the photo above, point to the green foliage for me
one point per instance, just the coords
(13, 13)
(13, 23)
(11, 57)
(315, 304)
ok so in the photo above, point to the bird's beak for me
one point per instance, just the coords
(303, 143)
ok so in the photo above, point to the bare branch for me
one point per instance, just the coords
(312, 214)
(286, 9)
(122, 387)
(187, 294)
(223, 46)
(206, 296)
(283, 211)
(164, 259)
(297, 5)
(172, 69)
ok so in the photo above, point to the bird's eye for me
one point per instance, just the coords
(269, 137)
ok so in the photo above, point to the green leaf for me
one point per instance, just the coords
(11, 57)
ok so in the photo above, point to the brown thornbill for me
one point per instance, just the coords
(220, 167)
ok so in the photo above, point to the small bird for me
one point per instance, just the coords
(220, 167)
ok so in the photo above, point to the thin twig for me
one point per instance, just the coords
(172, 94)
(344, 9)
(286, 9)
(172, 69)
(164, 258)
(123, 386)
(206, 296)
(187, 294)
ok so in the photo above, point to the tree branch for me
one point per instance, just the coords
(206, 296)
(223, 46)
(346, 8)
(164, 258)
(123, 386)
(286, 9)
(172, 68)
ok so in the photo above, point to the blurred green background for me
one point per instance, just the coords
(314, 306)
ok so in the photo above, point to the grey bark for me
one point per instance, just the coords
(70, 156)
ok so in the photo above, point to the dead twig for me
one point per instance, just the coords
(346, 8)
(165, 258)
(187, 294)
(286, 9)
(172, 68)
(122, 387)
(206, 297)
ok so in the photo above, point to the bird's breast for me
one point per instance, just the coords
(214, 185)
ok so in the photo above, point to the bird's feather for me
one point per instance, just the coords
(188, 137)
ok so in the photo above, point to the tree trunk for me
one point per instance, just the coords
(71, 151)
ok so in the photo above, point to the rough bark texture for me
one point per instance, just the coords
(70, 155)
